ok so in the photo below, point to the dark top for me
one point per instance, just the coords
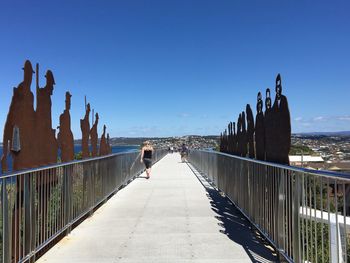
(184, 149)
(147, 154)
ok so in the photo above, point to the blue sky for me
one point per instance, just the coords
(170, 68)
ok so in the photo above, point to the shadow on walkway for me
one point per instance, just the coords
(237, 227)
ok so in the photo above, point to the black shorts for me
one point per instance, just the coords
(147, 162)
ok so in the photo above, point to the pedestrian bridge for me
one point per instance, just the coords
(173, 217)
(105, 210)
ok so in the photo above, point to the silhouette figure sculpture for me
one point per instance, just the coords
(250, 132)
(224, 141)
(230, 138)
(269, 128)
(259, 130)
(19, 138)
(85, 130)
(19, 134)
(65, 136)
(103, 143)
(94, 137)
(47, 146)
(239, 135)
(282, 131)
(244, 136)
(109, 148)
(234, 139)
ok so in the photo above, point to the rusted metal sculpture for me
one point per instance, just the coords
(269, 128)
(46, 140)
(250, 132)
(103, 143)
(19, 133)
(259, 130)
(65, 136)
(239, 135)
(19, 141)
(282, 131)
(244, 136)
(85, 131)
(230, 137)
(234, 139)
(94, 137)
(272, 130)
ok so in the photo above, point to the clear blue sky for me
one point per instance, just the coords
(167, 68)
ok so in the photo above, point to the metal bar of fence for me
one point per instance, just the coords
(38, 205)
(302, 212)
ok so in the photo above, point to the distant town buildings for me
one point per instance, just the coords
(334, 150)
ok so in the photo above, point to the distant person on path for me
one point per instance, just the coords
(146, 157)
(184, 152)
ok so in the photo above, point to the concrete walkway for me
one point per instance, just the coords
(171, 217)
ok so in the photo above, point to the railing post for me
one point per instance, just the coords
(67, 193)
(27, 214)
(280, 218)
(6, 238)
(32, 217)
(296, 218)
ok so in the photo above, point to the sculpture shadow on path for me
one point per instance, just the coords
(236, 227)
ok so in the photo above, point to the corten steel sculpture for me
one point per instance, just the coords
(269, 128)
(259, 130)
(19, 133)
(65, 137)
(224, 142)
(282, 131)
(244, 136)
(239, 135)
(85, 130)
(46, 143)
(19, 138)
(103, 143)
(234, 139)
(94, 137)
(229, 138)
(250, 132)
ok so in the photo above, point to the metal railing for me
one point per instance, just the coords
(38, 205)
(303, 213)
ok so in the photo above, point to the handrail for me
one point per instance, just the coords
(274, 198)
(325, 173)
(57, 165)
(40, 204)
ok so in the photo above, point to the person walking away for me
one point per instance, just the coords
(146, 157)
(184, 152)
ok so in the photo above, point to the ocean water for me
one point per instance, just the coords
(77, 149)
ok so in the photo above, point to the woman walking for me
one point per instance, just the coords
(146, 157)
